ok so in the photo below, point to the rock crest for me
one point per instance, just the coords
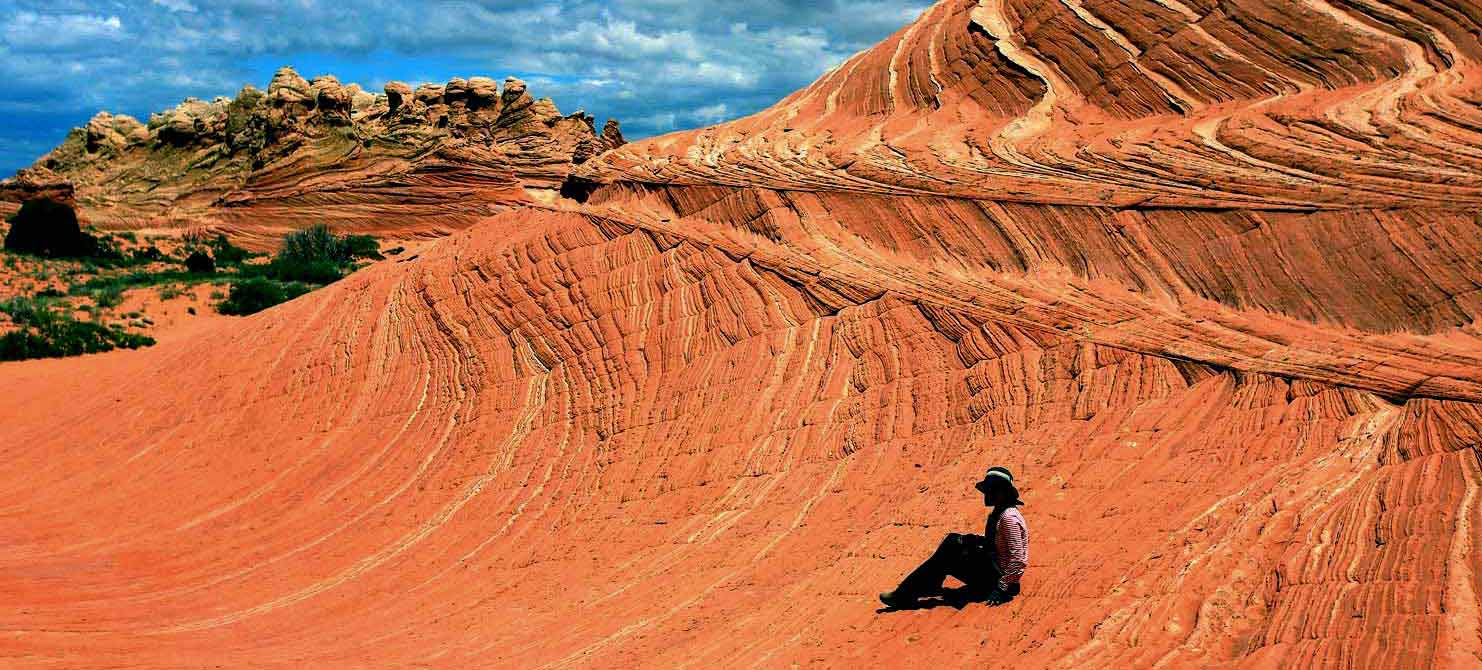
(124, 171)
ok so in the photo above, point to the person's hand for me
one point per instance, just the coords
(997, 597)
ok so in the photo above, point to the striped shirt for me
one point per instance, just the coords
(1010, 547)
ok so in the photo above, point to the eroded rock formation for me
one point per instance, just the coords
(702, 417)
(307, 151)
(33, 182)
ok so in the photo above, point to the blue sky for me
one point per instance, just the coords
(655, 65)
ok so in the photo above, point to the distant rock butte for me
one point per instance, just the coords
(1205, 275)
(260, 164)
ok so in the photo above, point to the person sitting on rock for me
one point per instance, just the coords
(990, 566)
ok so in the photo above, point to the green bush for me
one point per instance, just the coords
(200, 262)
(363, 246)
(225, 253)
(315, 244)
(149, 254)
(316, 255)
(293, 270)
(46, 333)
(108, 297)
(256, 294)
(313, 272)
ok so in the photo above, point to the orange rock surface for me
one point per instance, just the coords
(1204, 275)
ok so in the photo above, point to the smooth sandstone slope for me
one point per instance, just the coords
(700, 419)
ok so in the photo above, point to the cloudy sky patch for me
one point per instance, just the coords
(656, 65)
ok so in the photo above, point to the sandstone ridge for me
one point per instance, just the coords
(1203, 274)
(402, 162)
(1126, 103)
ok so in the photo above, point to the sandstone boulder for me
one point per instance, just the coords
(190, 121)
(34, 182)
(113, 132)
(332, 99)
(429, 94)
(361, 101)
(612, 134)
(398, 94)
(515, 94)
(246, 120)
(289, 90)
(455, 91)
(483, 93)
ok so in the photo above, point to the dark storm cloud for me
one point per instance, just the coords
(657, 65)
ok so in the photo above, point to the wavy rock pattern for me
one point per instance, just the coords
(1148, 103)
(702, 417)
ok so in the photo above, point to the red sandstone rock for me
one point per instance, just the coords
(1126, 103)
(702, 418)
(35, 182)
(262, 164)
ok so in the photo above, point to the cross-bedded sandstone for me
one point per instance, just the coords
(1204, 274)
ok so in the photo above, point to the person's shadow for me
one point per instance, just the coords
(958, 598)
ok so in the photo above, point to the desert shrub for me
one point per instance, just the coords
(196, 237)
(256, 294)
(108, 297)
(314, 244)
(317, 256)
(200, 262)
(134, 280)
(363, 246)
(396, 251)
(107, 292)
(149, 254)
(43, 332)
(295, 270)
(314, 255)
(225, 253)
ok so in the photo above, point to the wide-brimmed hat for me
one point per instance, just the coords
(998, 476)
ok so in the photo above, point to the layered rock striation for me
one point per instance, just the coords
(1126, 103)
(400, 163)
(699, 412)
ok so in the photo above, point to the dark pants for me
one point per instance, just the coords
(965, 557)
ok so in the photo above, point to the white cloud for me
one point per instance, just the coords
(176, 5)
(32, 31)
(712, 114)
